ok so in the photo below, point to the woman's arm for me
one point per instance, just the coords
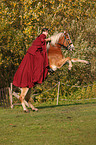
(48, 39)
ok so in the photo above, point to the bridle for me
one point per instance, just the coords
(66, 47)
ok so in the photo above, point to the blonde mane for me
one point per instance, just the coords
(54, 39)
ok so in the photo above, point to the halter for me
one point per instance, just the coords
(66, 47)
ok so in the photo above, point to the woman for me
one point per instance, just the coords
(34, 66)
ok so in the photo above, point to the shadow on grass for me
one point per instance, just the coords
(71, 104)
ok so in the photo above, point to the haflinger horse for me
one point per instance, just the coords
(55, 56)
(56, 61)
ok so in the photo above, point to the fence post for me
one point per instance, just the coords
(10, 93)
(58, 92)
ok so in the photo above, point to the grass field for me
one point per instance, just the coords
(67, 124)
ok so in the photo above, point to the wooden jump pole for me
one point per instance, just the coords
(58, 92)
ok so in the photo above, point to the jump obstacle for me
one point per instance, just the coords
(6, 95)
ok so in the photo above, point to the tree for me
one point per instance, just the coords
(22, 21)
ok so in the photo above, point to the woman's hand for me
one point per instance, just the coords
(48, 39)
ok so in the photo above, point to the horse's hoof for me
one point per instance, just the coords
(69, 69)
(35, 109)
(88, 63)
(26, 111)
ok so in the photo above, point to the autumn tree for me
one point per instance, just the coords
(22, 21)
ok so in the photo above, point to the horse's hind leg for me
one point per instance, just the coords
(22, 96)
(29, 99)
(32, 107)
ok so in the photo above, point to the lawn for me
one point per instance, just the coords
(67, 124)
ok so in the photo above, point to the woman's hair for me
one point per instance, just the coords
(45, 29)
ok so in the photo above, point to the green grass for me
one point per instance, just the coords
(67, 124)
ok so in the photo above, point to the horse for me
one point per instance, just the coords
(56, 61)
(55, 56)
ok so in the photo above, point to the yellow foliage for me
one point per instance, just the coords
(22, 21)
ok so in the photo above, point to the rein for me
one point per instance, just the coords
(63, 46)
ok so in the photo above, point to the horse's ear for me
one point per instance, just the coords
(65, 32)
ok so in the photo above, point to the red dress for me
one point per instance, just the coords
(34, 66)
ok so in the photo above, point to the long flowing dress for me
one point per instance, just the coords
(34, 66)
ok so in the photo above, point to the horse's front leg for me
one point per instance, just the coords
(61, 62)
(70, 64)
(22, 96)
(79, 60)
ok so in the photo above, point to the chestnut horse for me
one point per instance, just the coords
(55, 56)
(56, 60)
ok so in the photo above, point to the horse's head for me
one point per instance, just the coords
(65, 41)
